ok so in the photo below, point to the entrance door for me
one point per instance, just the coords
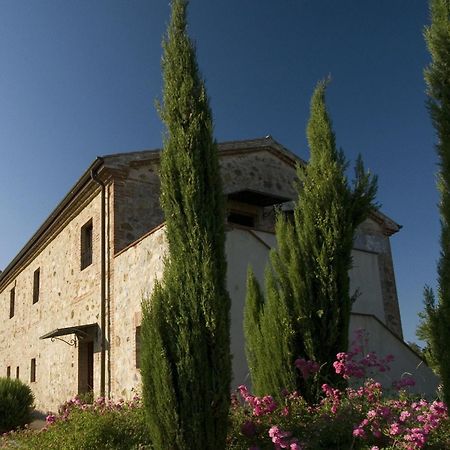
(85, 367)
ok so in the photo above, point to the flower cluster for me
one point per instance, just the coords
(306, 367)
(100, 406)
(356, 363)
(406, 381)
(261, 405)
(333, 396)
(348, 366)
(407, 424)
(283, 439)
(361, 416)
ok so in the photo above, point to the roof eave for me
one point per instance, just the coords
(78, 186)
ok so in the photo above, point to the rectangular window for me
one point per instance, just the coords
(36, 283)
(138, 347)
(239, 218)
(33, 370)
(17, 372)
(8, 372)
(86, 244)
(12, 302)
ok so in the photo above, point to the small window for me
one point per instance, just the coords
(138, 347)
(86, 244)
(239, 218)
(33, 370)
(17, 372)
(12, 302)
(8, 372)
(36, 285)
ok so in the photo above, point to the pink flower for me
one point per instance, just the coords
(406, 381)
(306, 367)
(404, 415)
(50, 419)
(282, 439)
(394, 429)
(261, 405)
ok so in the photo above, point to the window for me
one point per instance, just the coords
(33, 370)
(17, 372)
(138, 347)
(12, 302)
(243, 219)
(8, 372)
(86, 245)
(36, 283)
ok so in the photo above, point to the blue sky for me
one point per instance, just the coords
(80, 79)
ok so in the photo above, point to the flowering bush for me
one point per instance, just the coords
(360, 417)
(357, 417)
(84, 426)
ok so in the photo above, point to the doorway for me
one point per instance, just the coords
(85, 367)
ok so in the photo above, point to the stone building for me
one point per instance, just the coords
(70, 300)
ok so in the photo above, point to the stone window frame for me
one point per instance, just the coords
(86, 244)
(36, 284)
(12, 302)
(138, 343)
(33, 370)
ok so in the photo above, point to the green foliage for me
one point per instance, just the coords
(424, 333)
(437, 77)
(88, 429)
(268, 335)
(186, 362)
(327, 425)
(307, 304)
(16, 404)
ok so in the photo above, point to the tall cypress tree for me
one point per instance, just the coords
(437, 77)
(186, 363)
(307, 304)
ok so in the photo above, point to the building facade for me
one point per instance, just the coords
(70, 301)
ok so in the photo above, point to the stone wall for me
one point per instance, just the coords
(136, 202)
(135, 271)
(68, 296)
(137, 189)
(260, 171)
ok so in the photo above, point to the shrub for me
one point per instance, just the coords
(83, 426)
(362, 417)
(16, 404)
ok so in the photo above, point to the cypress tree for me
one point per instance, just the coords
(306, 308)
(186, 363)
(437, 77)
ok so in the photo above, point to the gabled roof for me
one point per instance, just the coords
(389, 226)
(225, 148)
(102, 164)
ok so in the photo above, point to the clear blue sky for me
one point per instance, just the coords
(79, 79)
